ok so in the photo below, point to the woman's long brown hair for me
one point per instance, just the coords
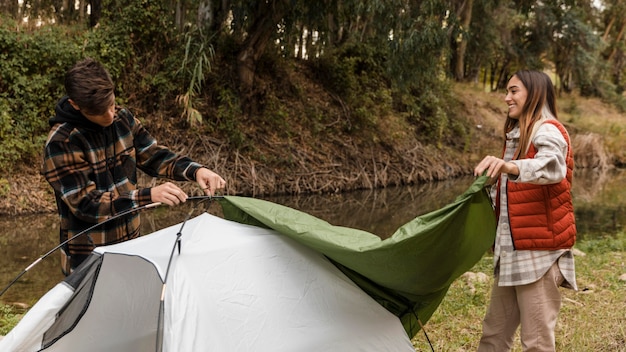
(541, 94)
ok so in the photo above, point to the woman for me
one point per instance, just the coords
(536, 227)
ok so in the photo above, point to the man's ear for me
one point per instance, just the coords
(74, 105)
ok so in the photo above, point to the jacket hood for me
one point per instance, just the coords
(65, 113)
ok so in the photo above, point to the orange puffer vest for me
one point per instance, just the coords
(542, 216)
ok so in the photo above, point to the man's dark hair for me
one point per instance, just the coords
(90, 86)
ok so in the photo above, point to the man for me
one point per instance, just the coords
(91, 158)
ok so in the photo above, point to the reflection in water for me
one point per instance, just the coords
(22, 240)
(598, 199)
(599, 202)
(381, 211)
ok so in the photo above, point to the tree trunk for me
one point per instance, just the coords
(205, 15)
(465, 18)
(179, 15)
(217, 14)
(260, 34)
(620, 34)
(332, 30)
(12, 8)
(96, 12)
(301, 45)
(609, 26)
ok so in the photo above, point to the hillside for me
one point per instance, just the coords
(300, 159)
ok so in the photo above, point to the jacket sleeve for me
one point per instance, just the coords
(158, 161)
(70, 174)
(548, 166)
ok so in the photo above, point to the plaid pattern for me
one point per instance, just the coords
(93, 172)
(513, 267)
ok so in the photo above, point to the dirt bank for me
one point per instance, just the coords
(302, 162)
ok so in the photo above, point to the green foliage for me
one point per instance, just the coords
(147, 25)
(11, 148)
(573, 109)
(5, 187)
(199, 55)
(31, 80)
(429, 117)
(33, 63)
(417, 63)
(356, 74)
(489, 42)
(603, 243)
(375, 58)
(9, 317)
(360, 76)
(137, 42)
(607, 91)
(337, 75)
(227, 117)
(434, 115)
(275, 115)
(112, 48)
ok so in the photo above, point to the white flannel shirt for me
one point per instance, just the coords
(521, 267)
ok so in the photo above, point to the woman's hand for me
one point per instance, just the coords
(494, 167)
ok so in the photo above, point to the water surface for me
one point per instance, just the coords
(599, 200)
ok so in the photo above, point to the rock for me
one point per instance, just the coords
(622, 277)
(578, 252)
(475, 277)
(472, 278)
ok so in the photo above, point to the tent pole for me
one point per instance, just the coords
(177, 244)
(419, 321)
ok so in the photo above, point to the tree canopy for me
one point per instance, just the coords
(399, 54)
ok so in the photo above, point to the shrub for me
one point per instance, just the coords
(31, 80)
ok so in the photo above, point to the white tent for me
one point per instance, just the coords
(233, 287)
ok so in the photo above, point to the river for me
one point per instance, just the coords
(599, 201)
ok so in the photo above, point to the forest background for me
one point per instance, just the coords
(292, 96)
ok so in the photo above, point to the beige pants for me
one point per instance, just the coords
(535, 306)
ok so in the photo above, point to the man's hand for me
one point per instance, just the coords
(209, 181)
(168, 193)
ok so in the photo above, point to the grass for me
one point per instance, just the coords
(592, 319)
(9, 317)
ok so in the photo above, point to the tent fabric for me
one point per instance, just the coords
(122, 310)
(291, 282)
(82, 283)
(233, 287)
(28, 334)
(409, 272)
